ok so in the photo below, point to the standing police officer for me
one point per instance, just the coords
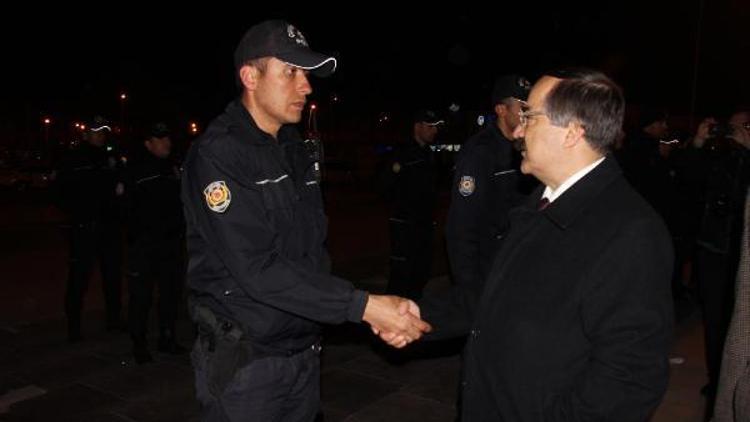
(486, 185)
(88, 189)
(412, 180)
(255, 232)
(156, 229)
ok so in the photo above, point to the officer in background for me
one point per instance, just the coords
(155, 242)
(486, 184)
(88, 189)
(411, 182)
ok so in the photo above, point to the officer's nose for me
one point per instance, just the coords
(519, 132)
(304, 86)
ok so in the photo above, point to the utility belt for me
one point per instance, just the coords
(225, 349)
(215, 329)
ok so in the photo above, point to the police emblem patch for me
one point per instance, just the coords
(217, 196)
(466, 185)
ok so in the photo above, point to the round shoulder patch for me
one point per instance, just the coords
(217, 196)
(466, 185)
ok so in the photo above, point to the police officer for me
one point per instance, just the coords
(486, 184)
(411, 180)
(255, 233)
(155, 235)
(88, 187)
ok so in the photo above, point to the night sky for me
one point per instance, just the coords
(71, 64)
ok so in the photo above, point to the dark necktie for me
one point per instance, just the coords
(543, 203)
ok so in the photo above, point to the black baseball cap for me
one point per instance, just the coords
(428, 117)
(282, 40)
(99, 123)
(159, 130)
(510, 86)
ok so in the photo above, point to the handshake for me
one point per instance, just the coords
(396, 320)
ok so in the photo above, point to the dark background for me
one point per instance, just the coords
(177, 64)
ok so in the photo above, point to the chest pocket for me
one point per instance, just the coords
(278, 191)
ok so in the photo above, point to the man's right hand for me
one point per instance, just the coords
(395, 319)
(703, 132)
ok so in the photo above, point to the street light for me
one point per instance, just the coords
(123, 97)
(47, 122)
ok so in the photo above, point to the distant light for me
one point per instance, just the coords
(123, 96)
(109, 148)
(313, 106)
(480, 120)
(47, 121)
(77, 125)
(193, 125)
(83, 127)
(454, 107)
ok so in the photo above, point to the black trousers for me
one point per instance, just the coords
(268, 388)
(411, 257)
(154, 263)
(89, 243)
(715, 279)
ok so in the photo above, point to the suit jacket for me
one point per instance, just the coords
(733, 396)
(575, 320)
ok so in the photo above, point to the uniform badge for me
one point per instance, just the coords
(466, 185)
(218, 196)
(396, 167)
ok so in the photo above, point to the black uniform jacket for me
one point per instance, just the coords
(486, 185)
(86, 185)
(152, 195)
(256, 230)
(411, 180)
(575, 320)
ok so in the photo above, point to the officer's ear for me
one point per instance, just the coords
(500, 109)
(249, 77)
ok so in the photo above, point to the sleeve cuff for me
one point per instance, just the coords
(357, 305)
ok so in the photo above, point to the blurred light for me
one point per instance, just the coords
(480, 120)
(83, 127)
(47, 121)
(123, 96)
(313, 106)
(454, 107)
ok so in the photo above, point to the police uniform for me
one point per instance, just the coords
(155, 228)
(87, 190)
(487, 183)
(412, 182)
(258, 278)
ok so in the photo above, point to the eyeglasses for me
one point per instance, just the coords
(523, 116)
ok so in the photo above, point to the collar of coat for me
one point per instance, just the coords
(239, 118)
(584, 193)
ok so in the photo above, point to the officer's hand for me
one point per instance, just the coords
(395, 319)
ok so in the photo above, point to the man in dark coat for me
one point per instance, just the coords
(156, 236)
(574, 321)
(88, 191)
(412, 182)
(486, 185)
